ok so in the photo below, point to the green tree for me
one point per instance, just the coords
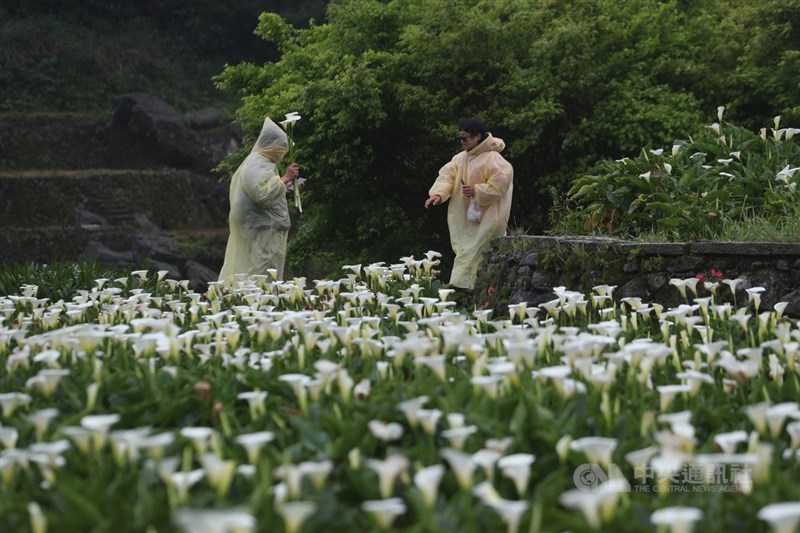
(381, 86)
(78, 55)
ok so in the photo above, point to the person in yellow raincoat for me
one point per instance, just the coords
(479, 184)
(259, 217)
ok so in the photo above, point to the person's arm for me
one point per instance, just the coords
(498, 175)
(262, 183)
(443, 187)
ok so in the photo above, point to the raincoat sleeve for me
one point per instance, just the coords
(262, 183)
(498, 175)
(445, 183)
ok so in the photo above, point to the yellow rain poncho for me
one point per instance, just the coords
(259, 217)
(492, 176)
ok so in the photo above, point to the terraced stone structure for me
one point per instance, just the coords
(138, 192)
(527, 268)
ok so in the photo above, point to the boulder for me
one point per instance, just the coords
(793, 309)
(146, 132)
(203, 119)
(87, 219)
(173, 272)
(199, 275)
(103, 255)
(157, 247)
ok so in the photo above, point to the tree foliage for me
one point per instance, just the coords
(381, 86)
(78, 55)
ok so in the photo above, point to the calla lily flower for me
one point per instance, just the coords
(38, 519)
(757, 413)
(295, 513)
(411, 408)
(385, 431)
(200, 437)
(458, 435)
(597, 504)
(8, 437)
(219, 472)
(462, 466)
(677, 519)
(253, 443)
(793, 429)
(41, 420)
(388, 470)
(290, 119)
(10, 401)
(385, 511)
(776, 415)
(317, 472)
(597, 449)
(427, 482)
(256, 401)
(510, 512)
(518, 468)
(727, 442)
(183, 481)
(783, 517)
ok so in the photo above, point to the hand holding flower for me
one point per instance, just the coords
(292, 172)
(288, 125)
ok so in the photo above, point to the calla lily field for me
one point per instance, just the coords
(376, 402)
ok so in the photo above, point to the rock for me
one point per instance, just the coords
(85, 218)
(531, 259)
(541, 281)
(631, 267)
(199, 275)
(687, 263)
(173, 272)
(102, 254)
(656, 281)
(145, 223)
(156, 247)
(146, 131)
(203, 119)
(793, 309)
(532, 298)
(637, 287)
(772, 283)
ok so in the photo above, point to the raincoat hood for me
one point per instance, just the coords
(272, 142)
(489, 144)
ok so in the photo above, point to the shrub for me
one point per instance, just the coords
(710, 186)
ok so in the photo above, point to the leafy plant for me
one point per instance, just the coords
(723, 176)
(59, 281)
(160, 408)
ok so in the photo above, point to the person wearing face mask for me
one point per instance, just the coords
(478, 183)
(259, 216)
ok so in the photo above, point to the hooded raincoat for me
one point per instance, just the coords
(492, 176)
(259, 217)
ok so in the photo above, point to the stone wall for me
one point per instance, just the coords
(526, 268)
(136, 193)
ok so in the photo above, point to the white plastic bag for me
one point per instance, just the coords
(474, 211)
